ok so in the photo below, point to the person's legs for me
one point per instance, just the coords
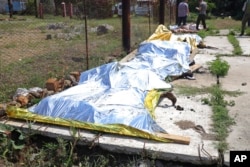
(203, 20)
(198, 22)
(179, 21)
(184, 20)
(243, 24)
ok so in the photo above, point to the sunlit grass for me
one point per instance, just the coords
(226, 23)
(237, 49)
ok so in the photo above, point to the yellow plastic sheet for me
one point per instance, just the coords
(163, 33)
(24, 114)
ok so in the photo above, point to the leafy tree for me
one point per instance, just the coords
(218, 7)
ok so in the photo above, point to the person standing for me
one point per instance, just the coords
(246, 16)
(202, 14)
(183, 12)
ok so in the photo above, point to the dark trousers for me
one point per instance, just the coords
(182, 20)
(244, 21)
(201, 18)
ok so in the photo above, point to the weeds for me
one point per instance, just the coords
(219, 68)
(45, 151)
(221, 119)
(189, 90)
(237, 49)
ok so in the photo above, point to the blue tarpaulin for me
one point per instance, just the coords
(115, 93)
(118, 93)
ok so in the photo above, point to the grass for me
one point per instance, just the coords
(192, 91)
(237, 49)
(59, 56)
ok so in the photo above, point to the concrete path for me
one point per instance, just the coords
(244, 42)
(220, 42)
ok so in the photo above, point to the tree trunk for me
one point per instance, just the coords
(218, 79)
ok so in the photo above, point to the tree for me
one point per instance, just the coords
(217, 7)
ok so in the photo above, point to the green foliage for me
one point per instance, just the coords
(219, 68)
(191, 90)
(231, 33)
(11, 142)
(247, 31)
(209, 31)
(221, 119)
(237, 49)
(217, 98)
(210, 5)
(56, 151)
(30, 8)
(96, 9)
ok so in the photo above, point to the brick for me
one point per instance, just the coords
(52, 84)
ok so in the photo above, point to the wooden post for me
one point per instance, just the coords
(126, 25)
(70, 10)
(35, 5)
(41, 10)
(86, 35)
(162, 12)
(63, 9)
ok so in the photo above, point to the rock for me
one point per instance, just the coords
(49, 36)
(23, 100)
(101, 29)
(76, 74)
(72, 79)
(67, 84)
(35, 94)
(50, 92)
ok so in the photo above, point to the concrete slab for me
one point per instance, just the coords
(220, 42)
(224, 32)
(237, 77)
(239, 135)
(198, 152)
(244, 44)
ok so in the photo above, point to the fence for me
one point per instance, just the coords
(69, 40)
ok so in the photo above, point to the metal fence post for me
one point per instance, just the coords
(63, 9)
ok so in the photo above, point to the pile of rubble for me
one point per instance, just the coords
(24, 98)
